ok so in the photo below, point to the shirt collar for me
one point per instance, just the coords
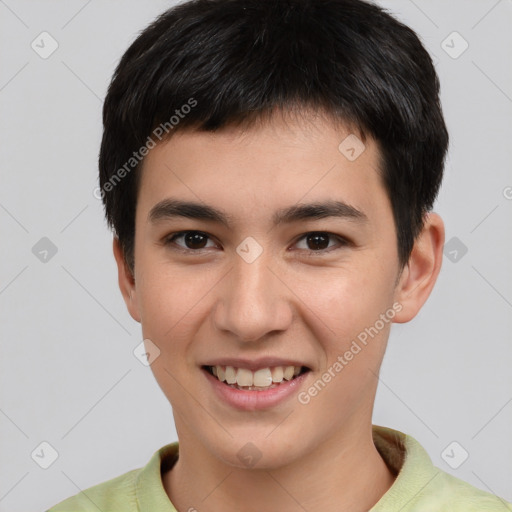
(409, 461)
(406, 458)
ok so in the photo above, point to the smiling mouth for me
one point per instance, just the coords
(259, 380)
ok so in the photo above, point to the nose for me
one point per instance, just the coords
(253, 301)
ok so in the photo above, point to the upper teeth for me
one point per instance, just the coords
(263, 377)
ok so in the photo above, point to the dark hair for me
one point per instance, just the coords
(232, 62)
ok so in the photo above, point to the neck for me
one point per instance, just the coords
(327, 478)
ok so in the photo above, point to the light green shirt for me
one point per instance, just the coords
(418, 487)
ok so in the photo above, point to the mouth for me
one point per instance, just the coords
(262, 379)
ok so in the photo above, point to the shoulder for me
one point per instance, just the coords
(422, 487)
(451, 494)
(114, 494)
(138, 489)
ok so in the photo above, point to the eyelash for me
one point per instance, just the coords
(343, 242)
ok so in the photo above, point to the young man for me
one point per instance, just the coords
(269, 170)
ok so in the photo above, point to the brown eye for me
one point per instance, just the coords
(320, 242)
(317, 241)
(193, 240)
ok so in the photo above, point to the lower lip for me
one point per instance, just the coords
(255, 400)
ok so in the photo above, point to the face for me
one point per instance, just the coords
(265, 282)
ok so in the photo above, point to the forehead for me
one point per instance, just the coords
(254, 172)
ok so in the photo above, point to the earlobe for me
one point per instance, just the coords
(420, 274)
(126, 281)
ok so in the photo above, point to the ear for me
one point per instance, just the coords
(126, 281)
(420, 273)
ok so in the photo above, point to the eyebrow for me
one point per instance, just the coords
(172, 208)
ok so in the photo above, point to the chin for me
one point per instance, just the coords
(256, 452)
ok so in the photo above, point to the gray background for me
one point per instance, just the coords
(67, 372)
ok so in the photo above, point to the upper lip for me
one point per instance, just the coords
(254, 364)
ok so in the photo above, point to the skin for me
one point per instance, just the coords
(292, 301)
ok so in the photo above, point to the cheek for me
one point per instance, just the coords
(169, 299)
(351, 306)
(344, 301)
